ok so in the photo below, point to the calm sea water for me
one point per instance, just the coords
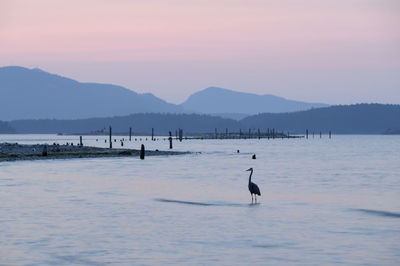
(324, 201)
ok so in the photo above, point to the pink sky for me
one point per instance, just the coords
(334, 51)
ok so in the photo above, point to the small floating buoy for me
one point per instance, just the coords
(253, 157)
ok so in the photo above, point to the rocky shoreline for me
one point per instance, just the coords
(16, 152)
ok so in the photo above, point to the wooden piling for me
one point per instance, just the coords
(170, 140)
(130, 134)
(306, 133)
(142, 152)
(110, 137)
(80, 141)
(44, 152)
(259, 134)
(180, 135)
(152, 134)
(320, 134)
(216, 134)
(329, 134)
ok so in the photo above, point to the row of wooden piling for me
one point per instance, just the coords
(268, 134)
(320, 134)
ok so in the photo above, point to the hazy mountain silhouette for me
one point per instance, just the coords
(33, 93)
(343, 119)
(214, 100)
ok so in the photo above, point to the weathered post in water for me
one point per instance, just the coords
(80, 141)
(329, 134)
(320, 134)
(44, 152)
(110, 137)
(170, 140)
(249, 133)
(306, 133)
(226, 133)
(259, 134)
(142, 152)
(152, 133)
(180, 134)
(130, 134)
(216, 134)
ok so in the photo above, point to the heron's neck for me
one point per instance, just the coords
(251, 173)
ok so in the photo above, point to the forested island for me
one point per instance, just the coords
(340, 119)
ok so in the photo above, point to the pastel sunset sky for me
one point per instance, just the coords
(332, 51)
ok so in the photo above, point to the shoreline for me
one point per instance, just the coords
(20, 152)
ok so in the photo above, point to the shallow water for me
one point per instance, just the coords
(324, 201)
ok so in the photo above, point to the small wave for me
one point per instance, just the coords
(226, 204)
(266, 246)
(380, 213)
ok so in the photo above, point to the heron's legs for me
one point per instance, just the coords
(251, 197)
(255, 196)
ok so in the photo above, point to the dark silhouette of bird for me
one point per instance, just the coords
(253, 157)
(253, 188)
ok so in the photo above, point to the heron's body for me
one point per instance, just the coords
(253, 188)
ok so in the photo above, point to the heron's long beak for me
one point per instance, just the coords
(248, 169)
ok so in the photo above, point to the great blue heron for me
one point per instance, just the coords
(253, 188)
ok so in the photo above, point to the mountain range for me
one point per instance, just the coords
(36, 94)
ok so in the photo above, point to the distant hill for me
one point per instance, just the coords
(32, 94)
(140, 123)
(214, 100)
(342, 119)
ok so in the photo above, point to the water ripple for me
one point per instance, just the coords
(380, 213)
(226, 204)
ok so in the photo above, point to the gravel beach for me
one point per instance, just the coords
(15, 152)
